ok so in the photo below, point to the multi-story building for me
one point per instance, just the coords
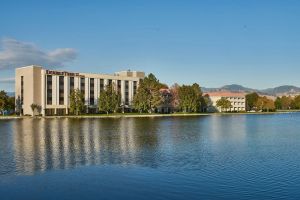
(51, 89)
(238, 100)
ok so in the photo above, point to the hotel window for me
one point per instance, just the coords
(61, 90)
(119, 85)
(134, 87)
(109, 82)
(49, 89)
(82, 86)
(71, 84)
(101, 85)
(126, 93)
(22, 89)
(92, 91)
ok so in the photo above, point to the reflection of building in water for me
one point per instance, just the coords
(41, 144)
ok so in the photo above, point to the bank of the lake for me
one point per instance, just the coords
(137, 115)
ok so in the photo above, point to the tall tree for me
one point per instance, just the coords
(278, 103)
(224, 104)
(175, 96)
(76, 102)
(190, 98)
(286, 102)
(264, 104)
(3, 101)
(251, 100)
(296, 103)
(109, 99)
(148, 97)
(18, 105)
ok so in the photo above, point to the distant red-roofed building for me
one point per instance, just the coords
(237, 99)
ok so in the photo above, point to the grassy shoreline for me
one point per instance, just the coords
(138, 115)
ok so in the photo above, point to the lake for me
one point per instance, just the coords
(203, 157)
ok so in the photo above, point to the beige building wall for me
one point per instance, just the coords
(31, 88)
(238, 100)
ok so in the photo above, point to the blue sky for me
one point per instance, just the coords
(213, 43)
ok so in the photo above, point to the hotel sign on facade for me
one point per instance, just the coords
(51, 72)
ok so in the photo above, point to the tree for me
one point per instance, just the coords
(109, 99)
(2, 105)
(264, 104)
(251, 100)
(76, 102)
(148, 97)
(175, 96)
(3, 101)
(36, 108)
(18, 105)
(11, 103)
(205, 102)
(278, 103)
(295, 104)
(286, 102)
(224, 104)
(190, 98)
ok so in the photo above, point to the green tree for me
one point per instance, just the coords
(148, 96)
(76, 102)
(251, 100)
(190, 98)
(175, 96)
(278, 103)
(11, 103)
(265, 104)
(3, 101)
(224, 104)
(295, 104)
(286, 102)
(36, 108)
(109, 99)
(18, 105)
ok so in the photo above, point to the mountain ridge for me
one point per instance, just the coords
(276, 91)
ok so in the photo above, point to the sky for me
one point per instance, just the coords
(254, 43)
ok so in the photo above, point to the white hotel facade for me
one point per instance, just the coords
(51, 89)
(237, 100)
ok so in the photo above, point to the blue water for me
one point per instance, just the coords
(206, 157)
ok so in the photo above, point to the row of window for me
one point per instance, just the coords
(238, 103)
(82, 88)
(235, 98)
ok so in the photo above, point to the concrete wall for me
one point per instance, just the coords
(32, 87)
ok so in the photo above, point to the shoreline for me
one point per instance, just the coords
(129, 115)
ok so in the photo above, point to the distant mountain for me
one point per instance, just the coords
(277, 91)
(231, 88)
(282, 90)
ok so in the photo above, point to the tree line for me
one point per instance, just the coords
(287, 102)
(148, 97)
(254, 102)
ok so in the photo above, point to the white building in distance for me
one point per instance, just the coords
(238, 100)
(51, 89)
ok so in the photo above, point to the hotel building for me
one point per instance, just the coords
(51, 89)
(237, 99)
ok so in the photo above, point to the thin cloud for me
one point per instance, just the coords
(7, 80)
(16, 53)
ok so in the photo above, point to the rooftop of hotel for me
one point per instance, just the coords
(127, 73)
